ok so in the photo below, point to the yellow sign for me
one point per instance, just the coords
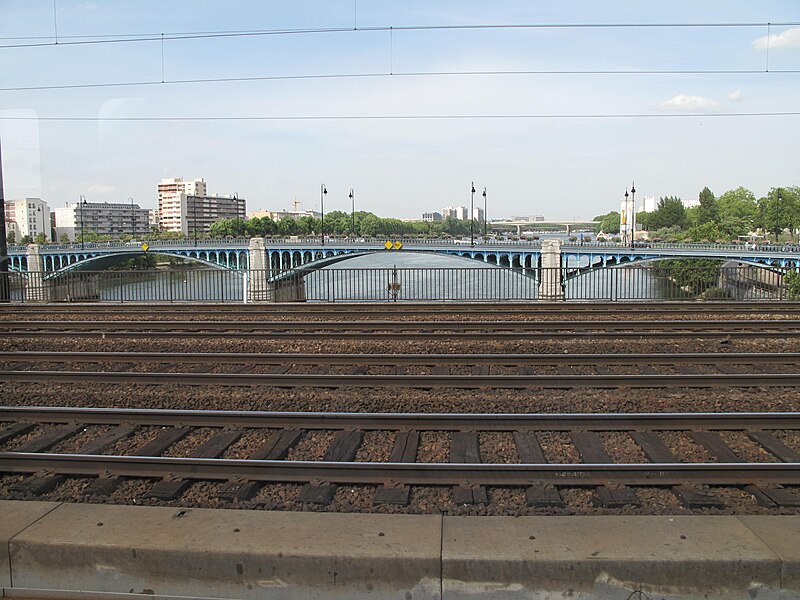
(145, 247)
(397, 245)
(388, 245)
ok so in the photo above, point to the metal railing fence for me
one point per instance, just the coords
(630, 283)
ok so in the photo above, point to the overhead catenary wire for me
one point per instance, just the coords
(152, 37)
(404, 117)
(391, 73)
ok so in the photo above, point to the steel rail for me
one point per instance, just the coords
(255, 358)
(396, 336)
(371, 473)
(406, 421)
(412, 308)
(400, 326)
(413, 381)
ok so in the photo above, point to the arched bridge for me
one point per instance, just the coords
(288, 253)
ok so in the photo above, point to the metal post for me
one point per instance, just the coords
(471, 213)
(352, 212)
(5, 284)
(633, 214)
(81, 205)
(322, 192)
(485, 218)
(133, 220)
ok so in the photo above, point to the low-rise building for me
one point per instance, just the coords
(113, 219)
(432, 216)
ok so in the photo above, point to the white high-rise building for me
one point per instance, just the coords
(457, 212)
(186, 207)
(32, 217)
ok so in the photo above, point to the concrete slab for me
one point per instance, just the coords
(15, 517)
(782, 535)
(606, 558)
(230, 553)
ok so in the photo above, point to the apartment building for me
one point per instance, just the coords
(186, 207)
(31, 216)
(112, 219)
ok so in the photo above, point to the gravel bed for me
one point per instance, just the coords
(434, 447)
(557, 447)
(245, 446)
(74, 442)
(498, 447)
(376, 446)
(686, 449)
(622, 449)
(312, 446)
(745, 448)
(579, 344)
(183, 448)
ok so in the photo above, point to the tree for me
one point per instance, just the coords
(707, 210)
(607, 223)
(669, 213)
(737, 212)
(11, 238)
(40, 239)
(26, 239)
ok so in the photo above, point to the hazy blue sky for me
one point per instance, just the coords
(558, 167)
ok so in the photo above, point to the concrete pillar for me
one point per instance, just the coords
(260, 288)
(36, 289)
(550, 288)
(258, 267)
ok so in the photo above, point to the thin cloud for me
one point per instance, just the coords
(100, 188)
(786, 39)
(688, 103)
(735, 96)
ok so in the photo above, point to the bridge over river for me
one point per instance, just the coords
(289, 253)
(275, 267)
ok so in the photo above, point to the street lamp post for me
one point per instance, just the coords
(624, 218)
(194, 218)
(778, 227)
(471, 213)
(352, 212)
(81, 205)
(484, 214)
(322, 192)
(133, 220)
(633, 214)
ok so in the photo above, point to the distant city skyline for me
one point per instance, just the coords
(554, 121)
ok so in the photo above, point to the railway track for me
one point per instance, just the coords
(466, 371)
(37, 442)
(386, 310)
(407, 330)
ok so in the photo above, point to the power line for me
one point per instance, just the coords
(187, 35)
(389, 74)
(410, 117)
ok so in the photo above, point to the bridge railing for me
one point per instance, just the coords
(632, 283)
(315, 241)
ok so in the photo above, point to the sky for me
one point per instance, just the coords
(564, 139)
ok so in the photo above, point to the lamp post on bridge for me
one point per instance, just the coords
(322, 192)
(133, 220)
(471, 215)
(633, 214)
(485, 217)
(352, 212)
(81, 206)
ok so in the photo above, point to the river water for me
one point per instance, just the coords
(376, 277)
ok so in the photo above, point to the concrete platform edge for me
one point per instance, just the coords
(92, 551)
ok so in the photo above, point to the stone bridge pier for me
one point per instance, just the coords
(551, 279)
(262, 287)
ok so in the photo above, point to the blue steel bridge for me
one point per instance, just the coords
(284, 254)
